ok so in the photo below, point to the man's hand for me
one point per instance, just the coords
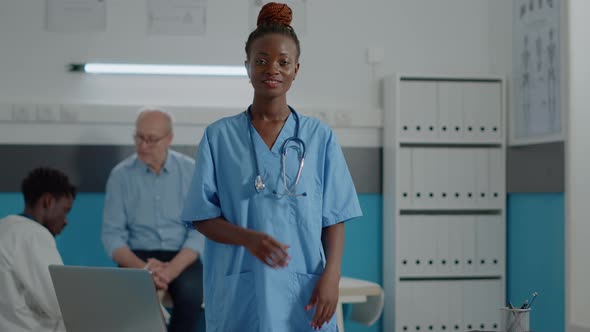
(167, 273)
(155, 266)
(324, 298)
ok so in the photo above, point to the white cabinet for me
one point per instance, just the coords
(444, 220)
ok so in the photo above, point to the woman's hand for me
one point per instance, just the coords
(324, 298)
(268, 250)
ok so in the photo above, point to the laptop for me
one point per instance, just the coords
(99, 299)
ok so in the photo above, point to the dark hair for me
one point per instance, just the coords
(43, 180)
(273, 18)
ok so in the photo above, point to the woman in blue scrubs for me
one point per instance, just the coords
(271, 191)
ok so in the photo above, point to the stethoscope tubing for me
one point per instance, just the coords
(259, 183)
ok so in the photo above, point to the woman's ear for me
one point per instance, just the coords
(296, 70)
(246, 65)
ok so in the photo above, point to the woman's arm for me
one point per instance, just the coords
(325, 294)
(261, 245)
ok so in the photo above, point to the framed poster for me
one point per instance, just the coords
(536, 115)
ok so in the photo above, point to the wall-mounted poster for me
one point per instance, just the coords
(536, 115)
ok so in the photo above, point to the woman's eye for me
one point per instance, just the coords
(260, 61)
(284, 63)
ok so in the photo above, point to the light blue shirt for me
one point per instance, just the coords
(142, 209)
(241, 293)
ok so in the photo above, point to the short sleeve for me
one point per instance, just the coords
(202, 201)
(340, 200)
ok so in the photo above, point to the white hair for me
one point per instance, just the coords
(150, 109)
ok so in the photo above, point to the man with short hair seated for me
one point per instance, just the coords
(27, 247)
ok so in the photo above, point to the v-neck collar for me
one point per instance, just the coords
(287, 131)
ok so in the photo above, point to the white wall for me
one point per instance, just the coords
(577, 176)
(451, 37)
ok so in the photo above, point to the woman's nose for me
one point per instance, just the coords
(272, 68)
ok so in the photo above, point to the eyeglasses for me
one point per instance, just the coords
(149, 140)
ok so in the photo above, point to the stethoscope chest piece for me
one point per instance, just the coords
(259, 184)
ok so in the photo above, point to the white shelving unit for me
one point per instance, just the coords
(444, 220)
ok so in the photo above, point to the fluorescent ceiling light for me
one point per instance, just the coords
(150, 69)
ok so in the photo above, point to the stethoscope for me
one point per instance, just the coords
(298, 146)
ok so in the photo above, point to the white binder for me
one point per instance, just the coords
(490, 110)
(469, 244)
(471, 111)
(467, 164)
(404, 189)
(482, 183)
(419, 110)
(428, 255)
(442, 245)
(450, 111)
(470, 303)
(441, 182)
(489, 244)
(443, 292)
(455, 304)
(456, 178)
(420, 160)
(455, 245)
(403, 257)
(497, 181)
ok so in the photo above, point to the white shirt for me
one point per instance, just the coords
(27, 298)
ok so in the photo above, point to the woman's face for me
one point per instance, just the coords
(272, 65)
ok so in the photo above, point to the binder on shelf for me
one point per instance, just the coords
(455, 304)
(491, 110)
(455, 245)
(490, 244)
(469, 244)
(441, 182)
(404, 174)
(450, 111)
(403, 244)
(497, 181)
(456, 171)
(444, 320)
(443, 245)
(468, 170)
(418, 118)
(420, 176)
(427, 250)
(482, 183)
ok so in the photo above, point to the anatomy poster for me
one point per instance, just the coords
(536, 112)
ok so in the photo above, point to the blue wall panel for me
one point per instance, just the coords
(536, 257)
(79, 243)
(363, 250)
(535, 248)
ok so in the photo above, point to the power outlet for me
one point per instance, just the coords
(47, 113)
(343, 119)
(375, 55)
(68, 114)
(322, 116)
(23, 112)
(5, 112)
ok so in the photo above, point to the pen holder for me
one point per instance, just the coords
(515, 320)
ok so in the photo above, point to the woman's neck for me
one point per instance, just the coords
(273, 110)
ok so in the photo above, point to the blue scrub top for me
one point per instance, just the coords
(241, 293)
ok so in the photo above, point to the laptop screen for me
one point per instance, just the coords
(98, 299)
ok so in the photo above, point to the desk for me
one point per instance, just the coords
(367, 297)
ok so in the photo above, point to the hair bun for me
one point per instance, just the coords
(275, 13)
